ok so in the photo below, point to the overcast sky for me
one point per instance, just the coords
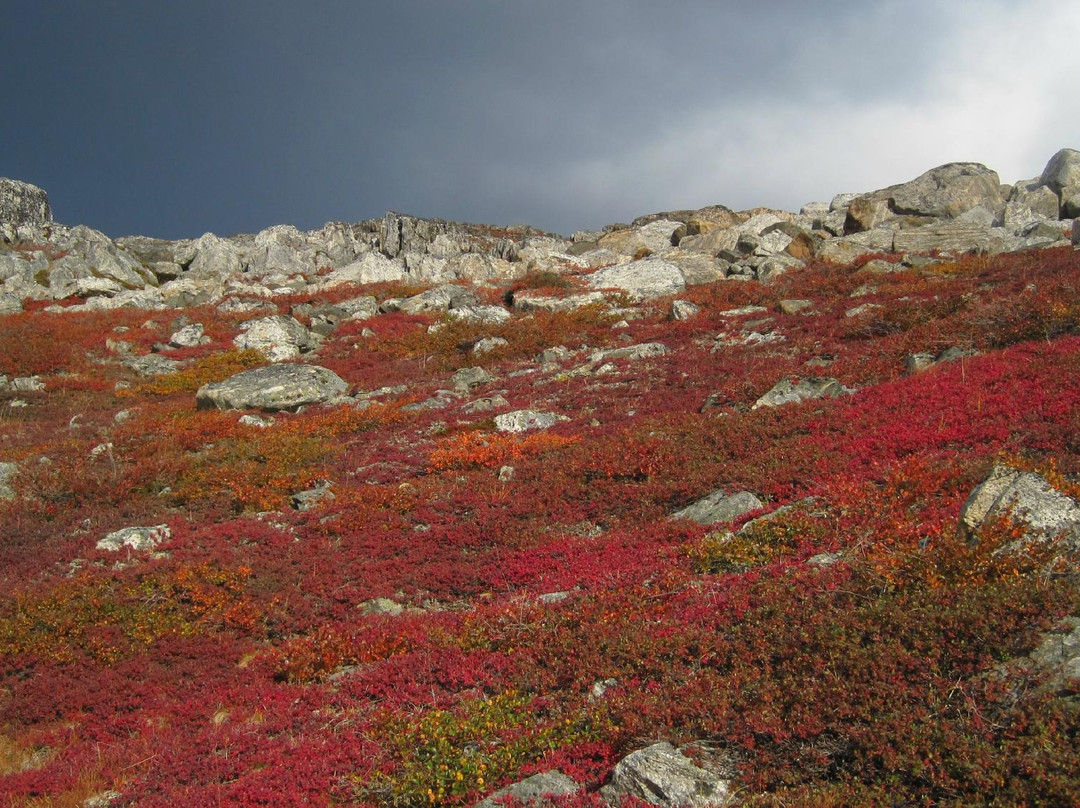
(172, 119)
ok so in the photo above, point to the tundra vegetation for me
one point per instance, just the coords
(466, 607)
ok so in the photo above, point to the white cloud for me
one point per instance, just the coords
(996, 86)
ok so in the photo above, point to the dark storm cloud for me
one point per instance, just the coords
(174, 119)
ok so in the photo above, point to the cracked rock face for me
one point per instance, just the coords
(644, 279)
(662, 775)
(1029, 499)
(272, 388)
(24, 209)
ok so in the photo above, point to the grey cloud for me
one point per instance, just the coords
(234, 115)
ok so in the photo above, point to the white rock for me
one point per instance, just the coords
(525, 420)
(137, 538)
(647, 278)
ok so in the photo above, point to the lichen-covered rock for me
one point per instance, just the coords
(189, 336)
(1062, 173)
(644, 350)
(213, 256)
(137, 538)
(720, 506)
(945, 192)
(1029, 499)
(1029, 202)
(24, 209)
(788, 391)
(531, 301)
(683, 310)
(372, 267)
(151, 364)
(480, 314)
(272, 388)
(661, 775)
(952, 237)
(467, 378)
(7, 475)
(439, 299)
(1059, 655)
(644, 279)
(278, 338)
(525, 420)
(533, 791)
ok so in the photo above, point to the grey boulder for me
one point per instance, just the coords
(1059, 655)
(272, 388)
(945, 192)
(1030, 501)
(720, 506)
(24, 209)
(277, 337)
(644, 279)
(533, 791)
(526, 420)
(788, 391)
(661, 775)
(440, 299)
(137, 538)
(8, 471)
(1062, 173)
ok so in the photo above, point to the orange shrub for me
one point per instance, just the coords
(482, 449)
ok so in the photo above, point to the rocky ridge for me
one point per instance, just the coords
(951, 209)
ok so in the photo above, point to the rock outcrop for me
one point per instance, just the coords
(24, 210)
(720, 506)
(1028, 499)
(661, 775)
(789, 391)
(951, 209)
(272, 388)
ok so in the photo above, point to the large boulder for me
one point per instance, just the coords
(952, 237)
(526, 420)
(372, 267)
(440, 299)
(280, 250)
(1029, 500)
(137, 538)
(789, 391)
(647, 278)
(277, 337)
(1029, 203)
(211, 255)
(95, 264)
(720, 506)
(409, 234)
(945, 192)
(272, 388)
(662, 775)
(1062, 174)
(24, 210)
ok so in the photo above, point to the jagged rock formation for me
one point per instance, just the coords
(955, 208)
(24, 211)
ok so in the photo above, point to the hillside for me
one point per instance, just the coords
(717, 507)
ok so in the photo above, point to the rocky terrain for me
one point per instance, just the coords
(713, 508)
